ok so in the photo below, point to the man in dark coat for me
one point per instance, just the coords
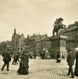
(6, 60)
(70, 61)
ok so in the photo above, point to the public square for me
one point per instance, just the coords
(38, 69)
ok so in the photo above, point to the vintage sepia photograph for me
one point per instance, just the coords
(38, 39)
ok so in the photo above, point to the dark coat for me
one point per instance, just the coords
(24, 61)
(58, 56)
(6, 57)
(77, 57)
(71, 58)
(76, 65)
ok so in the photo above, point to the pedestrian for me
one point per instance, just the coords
(51, 54)
(23, 68)
(15, 59)
(70, 61)
(58, 58)
(34, 54)
(6, 59)
(40, 53)
(43, 55)
(31, 55)
(76, 65)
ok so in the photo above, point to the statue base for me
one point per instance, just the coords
(58, 45)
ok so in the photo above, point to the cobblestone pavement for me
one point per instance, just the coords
(39, 69)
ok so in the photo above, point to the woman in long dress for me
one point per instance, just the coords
(23, 68)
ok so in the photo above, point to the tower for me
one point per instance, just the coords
(14, 40)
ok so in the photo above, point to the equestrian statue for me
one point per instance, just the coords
(57, 26)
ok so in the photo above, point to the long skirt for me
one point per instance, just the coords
(76, 69)
(22, 70)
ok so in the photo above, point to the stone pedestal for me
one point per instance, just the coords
(58, 45)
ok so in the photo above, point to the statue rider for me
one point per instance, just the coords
(57, 26)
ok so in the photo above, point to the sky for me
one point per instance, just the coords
(34, 16)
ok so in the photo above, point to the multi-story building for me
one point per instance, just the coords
(38, 43)
(45, 44)
(33, 43)
(72, 35)
(17, 42)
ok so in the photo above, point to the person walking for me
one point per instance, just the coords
(76, 65)
(15, 59)
(70, 61)
(6, 59)
(43, 55)
(58, 58)
(23, 68)
(34, 54)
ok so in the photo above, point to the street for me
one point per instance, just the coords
(38, 69)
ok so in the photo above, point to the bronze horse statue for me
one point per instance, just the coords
(57, 26)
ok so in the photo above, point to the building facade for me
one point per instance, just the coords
(37, 42)
(17, 42)
(72, 35)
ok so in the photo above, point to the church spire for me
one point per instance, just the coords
(14, 31)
